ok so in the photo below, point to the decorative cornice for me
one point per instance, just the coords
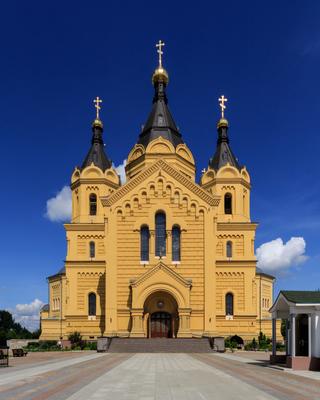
(84, 227)
(161, 266)
(85, 263)
(90, 181)
(210, 199)
(236, 263)
(237, 226)
(228, 181)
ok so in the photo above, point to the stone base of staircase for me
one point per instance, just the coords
(161, 345)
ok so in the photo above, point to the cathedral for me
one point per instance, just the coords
(159, 255)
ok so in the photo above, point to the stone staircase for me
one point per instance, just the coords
(163, 345)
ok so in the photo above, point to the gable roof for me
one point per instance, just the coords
(45, 307)
(259, 271)
(212, 200)
(167, 270)
(62, 271)
(302, 296)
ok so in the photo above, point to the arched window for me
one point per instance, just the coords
(144, 243)
(93, 204)
(228, 203)
(229, 304)
(229, 249)
(92, 304)
(92, 248)
(160, 234)
(176, 245)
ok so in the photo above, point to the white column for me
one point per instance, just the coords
(274, 336)
(293, 335)
(316, 334)
(309, 335)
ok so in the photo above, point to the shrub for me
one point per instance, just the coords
(264, 342)
(47, 345)
(33, 346)
(75, 337)
(76, 341)
(230, 343)
(90, 346)
(280, 347)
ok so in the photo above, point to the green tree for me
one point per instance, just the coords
(76, 340)
(9, 329)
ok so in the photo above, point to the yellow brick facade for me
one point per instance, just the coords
(129, 291)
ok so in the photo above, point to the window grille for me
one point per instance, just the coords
(93, 204)
(92, 303)
(92, 248)
(228, 203)
(229, 304)
(176, 243)
(160, 234)
(144, 243)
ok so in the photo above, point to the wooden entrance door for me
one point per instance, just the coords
(161, 325)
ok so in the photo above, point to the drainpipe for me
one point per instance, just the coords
(61, 302)
(260, 304)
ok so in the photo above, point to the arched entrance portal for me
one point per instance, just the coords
(161, 316)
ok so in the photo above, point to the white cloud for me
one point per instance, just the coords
(278, 256)
(120, 169)
(28, 315)
(59, 208)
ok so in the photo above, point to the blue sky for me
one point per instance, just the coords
(56, 57)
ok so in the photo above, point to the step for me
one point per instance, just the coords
(159, 345)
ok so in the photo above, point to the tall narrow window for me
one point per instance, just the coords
(176, 243)
(92, 304)
(93, 204)
(160, 234)
(228, 203)
(144, 243)
(229, 304)
(229, 249)
(92, 249)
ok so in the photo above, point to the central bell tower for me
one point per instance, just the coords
(160, 137)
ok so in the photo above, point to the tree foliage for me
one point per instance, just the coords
(9, 329)
(283, 328)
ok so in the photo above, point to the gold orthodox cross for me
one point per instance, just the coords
(97, 102)
(222, 100)
(159, 46)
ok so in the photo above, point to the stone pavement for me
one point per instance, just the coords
(166, 377)
(23, 374)
(253, 357)
(152, 376)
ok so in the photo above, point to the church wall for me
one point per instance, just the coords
(160, 195)
(83, 280)
(79, 237)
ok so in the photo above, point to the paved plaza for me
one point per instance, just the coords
(88, 375)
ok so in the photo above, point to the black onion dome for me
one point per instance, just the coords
(223, 154)
(160, 121)
(96, 154)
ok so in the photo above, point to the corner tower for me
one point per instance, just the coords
(95, 178)
(227, 178)
(160, 137)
